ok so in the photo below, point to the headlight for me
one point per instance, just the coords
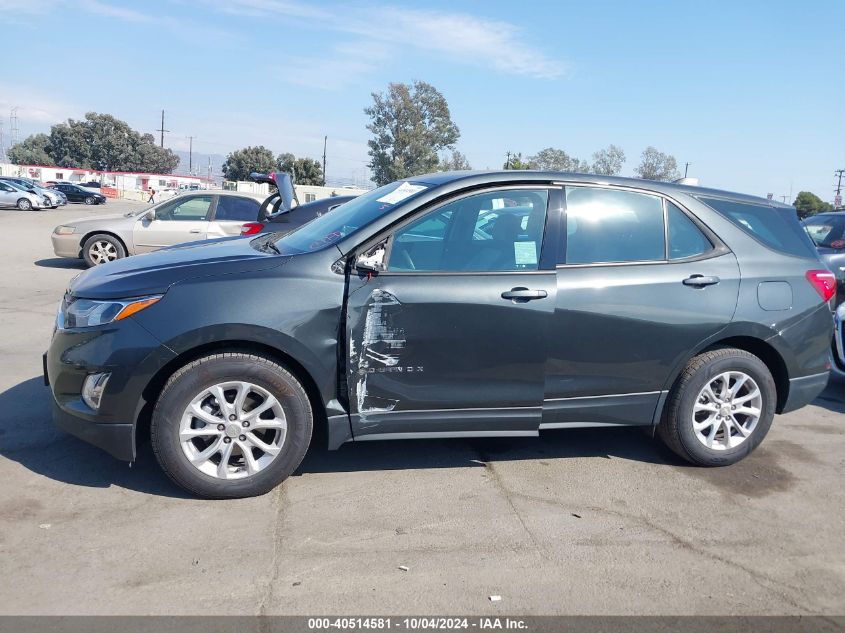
(88, 312)
(64, 230)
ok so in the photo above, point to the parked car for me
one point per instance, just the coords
(288, 220)
(91, 184)
(55, 198)
(827, 230)
(695, 312)
(23, 198)
(75, 193)
(184, 218)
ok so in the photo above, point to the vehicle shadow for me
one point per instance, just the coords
(833, 396)
(61, 262)
(28, 437)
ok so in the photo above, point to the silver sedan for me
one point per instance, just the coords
(188, 217)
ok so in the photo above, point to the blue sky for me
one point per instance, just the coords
(748, 92)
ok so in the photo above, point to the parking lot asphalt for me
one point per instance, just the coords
(575, 522)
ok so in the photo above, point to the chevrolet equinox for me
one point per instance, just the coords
(462, 304)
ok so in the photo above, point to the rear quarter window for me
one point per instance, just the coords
(776, 227)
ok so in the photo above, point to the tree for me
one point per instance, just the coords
(553, 159)
(34, 150)
(656, 165)
(410, 125)
(454, 162)
(303, 171)
(514, 161)
(807, 204)
(242, 162)
(608, 161)
(102, 142)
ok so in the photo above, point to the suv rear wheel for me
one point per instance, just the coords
(720, 408)
(231, 425)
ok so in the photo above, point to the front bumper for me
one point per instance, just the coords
(132, 356)
(66, 245)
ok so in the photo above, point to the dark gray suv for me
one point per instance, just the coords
(451, 305)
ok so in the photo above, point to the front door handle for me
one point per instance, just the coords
(195, 231)
(699, 281)
(521, 295)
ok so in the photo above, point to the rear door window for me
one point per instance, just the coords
(685, 238)
(609, 225)
(775, 227)
(236, 209)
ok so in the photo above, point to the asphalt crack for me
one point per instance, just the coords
(279, 495)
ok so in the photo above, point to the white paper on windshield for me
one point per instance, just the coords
(525, 253)
(405, 190)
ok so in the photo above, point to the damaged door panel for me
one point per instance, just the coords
(447, 355)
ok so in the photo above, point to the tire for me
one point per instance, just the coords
(89, 200)
(24, 204)
(172, 418)
(101, 249)
(738, 434)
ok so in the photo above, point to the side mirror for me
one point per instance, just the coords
(150, 215)
(372, 260)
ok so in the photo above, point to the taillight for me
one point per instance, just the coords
(823, 281)
(251, 228)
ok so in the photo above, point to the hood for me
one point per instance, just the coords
(154, 273)
(111, 222)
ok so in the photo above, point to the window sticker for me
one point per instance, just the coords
(525, 253)
(405, 190)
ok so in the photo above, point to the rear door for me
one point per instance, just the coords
(182, 219)
(450, 340)
(641, 284)
(230, 215)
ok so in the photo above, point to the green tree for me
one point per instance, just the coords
(608, 161)
(410, 125)
(34, 150)
(808, 203)
(303, 171)
(514, 161)
(456, 161)
(103, 142)
(655, 165)
(553, 159)
(240, 163)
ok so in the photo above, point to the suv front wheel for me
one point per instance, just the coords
(720, 408)
(231, 425)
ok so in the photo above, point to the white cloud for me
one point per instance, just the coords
(347, 64)
(459, 37)
(33, 106)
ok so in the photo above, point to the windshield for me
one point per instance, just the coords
(827, 231)
(348, 218)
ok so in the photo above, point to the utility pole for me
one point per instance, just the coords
(13, 126)
(161, 129)
(507, 160)
(837, 202)
(325, 138)
(785, 198)
(190, 154)
(209, 172)
(3, 158)
(686, 169)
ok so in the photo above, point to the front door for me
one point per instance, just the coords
(450, 340)
(640, 286)
(8, 195)
(182, 219)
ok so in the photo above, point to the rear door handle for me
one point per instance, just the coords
(521, 295)
(195, 231)
(699, 281)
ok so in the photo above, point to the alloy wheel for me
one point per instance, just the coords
(232, 430)
(727, 410)
(102, 251)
